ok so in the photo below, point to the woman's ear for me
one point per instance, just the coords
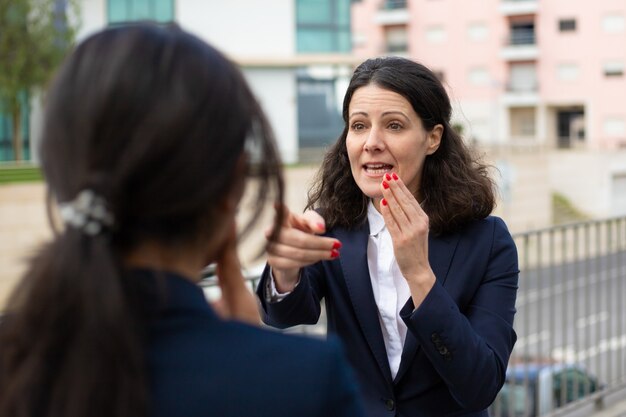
(434, 139)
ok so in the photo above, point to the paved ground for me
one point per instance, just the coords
(24, 225)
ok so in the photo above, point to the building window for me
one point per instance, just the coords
(567, 72)
(436, 34)
(323, 26)
(319, 112)
(522, 121)
(396, 39)
(394, 4)
(613, 23)
(478, 76)
(6, 132)
(477, 31)
(567, 25)
(120, 11)
(522, 33)
(615, 127)
(614, 69)
(570, 127)
(523, 77)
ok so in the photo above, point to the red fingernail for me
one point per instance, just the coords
(334, 253)
(385, 185)
(388, 177)
(321, 226)
(337, 245)
(395, 177)
(384, 202)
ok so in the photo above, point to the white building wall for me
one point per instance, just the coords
(93, 17)
(276, 91)
(242, 30)
(587, 179)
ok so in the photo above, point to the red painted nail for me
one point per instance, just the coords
(384, 202)
(395, 177)
(321, 226)
(337, 245)
(334, 253)
(388, 177)
(385, 185)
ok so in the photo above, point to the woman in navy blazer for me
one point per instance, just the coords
(419, 281)
(145, 150)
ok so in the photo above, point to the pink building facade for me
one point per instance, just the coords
(521, 72)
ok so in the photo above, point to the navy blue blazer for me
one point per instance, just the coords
(459, 339)
(199, 365)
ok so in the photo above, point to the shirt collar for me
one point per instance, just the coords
(375, 219)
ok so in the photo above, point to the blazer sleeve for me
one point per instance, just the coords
(301, 306)
(470, 349)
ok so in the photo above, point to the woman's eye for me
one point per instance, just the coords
(358, 126)
(395, 126)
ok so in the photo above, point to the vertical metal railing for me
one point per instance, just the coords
(570, 324)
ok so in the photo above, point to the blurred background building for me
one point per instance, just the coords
(521, 71)
(536, 85)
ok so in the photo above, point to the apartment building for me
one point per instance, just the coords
(294, 53)
(536, 72)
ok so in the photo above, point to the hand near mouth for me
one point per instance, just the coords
(408, 225)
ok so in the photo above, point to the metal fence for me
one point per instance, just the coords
(570, 323)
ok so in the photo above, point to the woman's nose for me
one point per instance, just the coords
(374, 141)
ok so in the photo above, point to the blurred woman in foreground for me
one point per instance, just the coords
(145, 150)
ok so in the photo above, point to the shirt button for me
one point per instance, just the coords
(390, 404)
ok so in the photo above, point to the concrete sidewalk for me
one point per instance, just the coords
(23, 227)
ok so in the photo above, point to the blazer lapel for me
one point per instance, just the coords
(440, 253)
(356, 274)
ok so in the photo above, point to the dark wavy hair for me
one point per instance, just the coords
(455, 186)
(157, 123)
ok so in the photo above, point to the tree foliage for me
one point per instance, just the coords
(35, 35)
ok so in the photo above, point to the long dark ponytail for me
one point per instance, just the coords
(154, 121)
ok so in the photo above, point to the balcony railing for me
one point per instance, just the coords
(396, 48)
(394, 4)
(522, 87)
(522, 37)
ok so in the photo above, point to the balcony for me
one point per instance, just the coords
(521, 45)
(392, 12)
(395, 50)
(521, 94)
(518, 7)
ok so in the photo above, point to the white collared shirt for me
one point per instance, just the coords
(391, 290)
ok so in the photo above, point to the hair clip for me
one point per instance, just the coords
(87, 212)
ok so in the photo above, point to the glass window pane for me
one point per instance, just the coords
(164, 10)
(343, 12)
(140, 10)
(133, 10)
(117, 10)
(313, 11)
(345, 41)
(310, 40)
